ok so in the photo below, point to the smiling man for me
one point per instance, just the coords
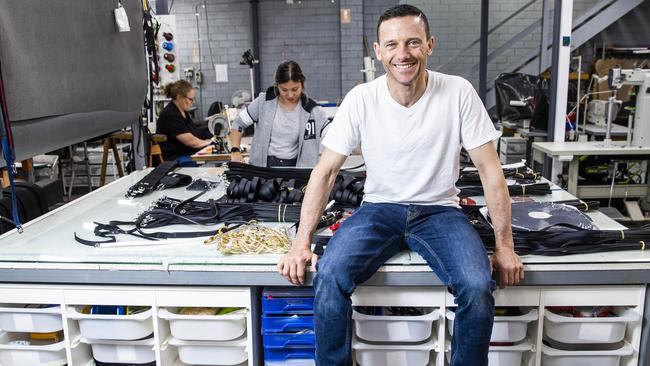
(411, 124)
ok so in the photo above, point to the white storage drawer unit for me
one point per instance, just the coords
(19, 318)
(117, 327)
(509, 329)
(118, 351)
(391, 328)
(508, 355)
(568, 329)
(205, 327)
(393, 354)
(504, 355)
(555, 357)
(36, 353)
(211, 353)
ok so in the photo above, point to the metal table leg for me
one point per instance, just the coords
(572, 184)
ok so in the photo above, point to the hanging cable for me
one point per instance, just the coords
(207, 26)
(8, 152)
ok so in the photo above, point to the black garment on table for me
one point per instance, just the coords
(171, 124)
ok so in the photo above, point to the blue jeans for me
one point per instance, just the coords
(373, 234)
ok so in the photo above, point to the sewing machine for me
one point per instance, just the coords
(641, 77)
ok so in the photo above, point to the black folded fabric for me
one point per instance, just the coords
(173, 180)
(514, 190)
(563, 239)
(523, 175)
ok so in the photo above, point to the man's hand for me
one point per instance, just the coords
(292, 265)
(509, 266)
(236, 157)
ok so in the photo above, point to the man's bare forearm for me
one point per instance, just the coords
(498, 203)
(313, 203)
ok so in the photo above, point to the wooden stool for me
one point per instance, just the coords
(109, 143)
(154, 150)
(27, 170)
(5, 178)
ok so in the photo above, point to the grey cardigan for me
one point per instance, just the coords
(261, 112)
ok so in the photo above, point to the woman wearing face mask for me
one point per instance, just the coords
(288, 124)
(183, 137)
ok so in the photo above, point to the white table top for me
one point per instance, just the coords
(590, 148)
(597, 130)
(48, 241)
(528, 133)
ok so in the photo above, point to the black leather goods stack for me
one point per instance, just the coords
(249, 183)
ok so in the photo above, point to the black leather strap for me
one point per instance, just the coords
(150, 182)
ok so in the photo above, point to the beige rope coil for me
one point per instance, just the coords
(252, 238)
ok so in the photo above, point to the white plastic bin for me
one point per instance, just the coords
(210, 353)
(116, 351)
(506, 328)
(382, 328)
(18, 318)
(393, 354)
(36, 353)
(117, 327)
(502, 355)
(205, 327)
(508, 355)
(588, 330)
(555, 357)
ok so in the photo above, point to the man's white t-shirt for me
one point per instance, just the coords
(411, 154)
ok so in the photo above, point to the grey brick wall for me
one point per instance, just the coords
(307, 32)
(372, 9)
(351, 46)
(229, 27)
(330, 53)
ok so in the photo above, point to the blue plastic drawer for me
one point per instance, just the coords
(287, 305)
(286, 355)
(288, 291)
(290, 340)
(293, 346)
(286, 324)
(291, 362)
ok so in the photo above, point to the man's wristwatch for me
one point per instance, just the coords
(235, 150)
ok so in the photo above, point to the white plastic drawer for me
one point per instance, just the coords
(211, 353)
(116, 351)
(502, 355)
(18, 318)
(205, 327)
(555, 357)
(506, 328)
(36, 353)
(118, 327)
(393, 354)
(567, 329)
(508, 355)
(381, 328)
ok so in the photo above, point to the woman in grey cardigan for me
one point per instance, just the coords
(288, 124)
